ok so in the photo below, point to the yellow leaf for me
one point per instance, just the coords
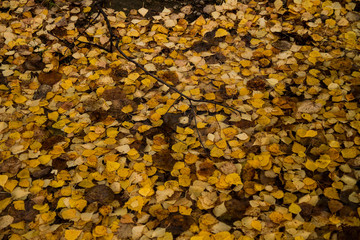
(57, 150)
(276, 217)
(334, 219)
(188, 130)
(311, 165)
(3, 180)
(112, 166)
(184, 180)
(245, 63)
(331, 193)
(309, 181)
(48, 216)
(4, 203)
(221, 144)
(294, 208)
(278, 194)
(179, 147)
(20, 99)
(238, 154)
(18, 225)
(223, 236)
(143, 128)
(230, 132)
(311, 133)
(233, 178)
(195, 91)
(257, 103)
(146, 191)
(86, 183)
(301, 132)
(72, 234)
(99, 231)
(127, 109)
(263, 120)
(135, 203)
(133, 153)
(61, 123)
(349, 152)
(221, 32)
(69, 213)
(256, 224)
(323, 161)
(19, 205)
(185, 210)
(210, 96)
(139, 166)
(297, 148)
(24, 173)
(191, 158)
(200, 21)
(160, 38)
(311, 80)
(356, 125)
(44, 159)
(216, 152)
(314, 54)
(112, 132)
(183, 107)
(28, 134)
(11, 184)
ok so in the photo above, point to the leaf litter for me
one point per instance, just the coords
(251, 132)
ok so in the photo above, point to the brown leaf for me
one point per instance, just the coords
(177, 224)
(335, 206)
(257, 84)
(41, 173)
(10, 165)
(206, 169)
(100, 193)
(49, 78)
(235, 209)
(163, 160)
(42, 91)
(282, 45)
(33, 63)
(51, 141)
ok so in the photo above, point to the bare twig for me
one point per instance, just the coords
(114, 44)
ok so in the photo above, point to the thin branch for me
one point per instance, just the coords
(114, 39)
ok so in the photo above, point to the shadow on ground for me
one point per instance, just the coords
(155, 6)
